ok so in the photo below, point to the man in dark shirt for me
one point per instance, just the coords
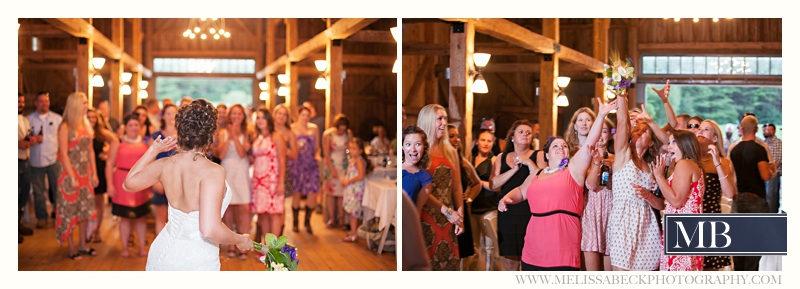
(752, 168)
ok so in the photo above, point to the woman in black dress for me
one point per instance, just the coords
(484, 202)
(506, 176)
(102, 139)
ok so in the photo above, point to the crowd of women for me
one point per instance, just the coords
(267, 158)
(592, 199)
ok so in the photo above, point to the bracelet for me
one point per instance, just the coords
(722, 178)
(717, 165)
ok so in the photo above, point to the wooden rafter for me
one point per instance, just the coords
(513, 33)
(41, 30)
(164, 26)
(49, 54)
(375, 36)
(80, 28)
(244, 27)
(339, 30)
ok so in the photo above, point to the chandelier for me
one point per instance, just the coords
(205, 27)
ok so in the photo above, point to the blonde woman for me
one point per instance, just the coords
(78, 177)
(720, 181)
(443, 212)
(235, 142)
(578, 128)
(282, 119)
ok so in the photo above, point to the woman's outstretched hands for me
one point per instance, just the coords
(164, 145)
(663, 93)
(712, 150)
(605, 108)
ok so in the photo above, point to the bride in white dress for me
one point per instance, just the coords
(197, 192)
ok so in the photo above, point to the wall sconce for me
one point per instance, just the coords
(126, 77)
(143, 84)
(143, 94)
(97, 81)
(321, 83)
(126, 89)
(396, 66)
(283, 91)
(562, 82)
(97, 63)
(397, 33)
(264, 95)
(479, 84)
(283, 79)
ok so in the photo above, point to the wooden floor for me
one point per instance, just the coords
(322, 251)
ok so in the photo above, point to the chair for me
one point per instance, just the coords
(490, 230)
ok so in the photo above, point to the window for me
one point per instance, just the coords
(712, 65)
(204, 65)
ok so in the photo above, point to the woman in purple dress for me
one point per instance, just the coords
(304, 170)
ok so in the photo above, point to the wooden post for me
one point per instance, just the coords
(260, 60)
(548, 111)
(291, 43)
(333, 95)
(269, 78)
(136, 53)
(600, 52)
(633, 53)
(85, 68)
(462, 45)
(115, 96)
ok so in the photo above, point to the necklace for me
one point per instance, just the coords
(516, 154)
(126, 139)
(547, 170)
(197, 153)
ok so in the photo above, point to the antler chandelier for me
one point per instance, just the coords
(205, 27)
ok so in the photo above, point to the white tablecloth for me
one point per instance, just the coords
(381, 173)
(378, 160)
(380, 200)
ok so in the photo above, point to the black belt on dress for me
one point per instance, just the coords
(124, 169)
(556, 212)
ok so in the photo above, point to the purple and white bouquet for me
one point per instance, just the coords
(618, 76)
(278, 256)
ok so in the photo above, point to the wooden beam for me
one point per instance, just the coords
(243, 27)
(164, 26)
(84, 65)
(48, 54)
(138, 54)
(334, 92)
(80, 28)
(494, 48)
(368, 59)
(515, 34)
(462, 46)
(711, 46)
(231, 54)
(513, 91)
(375, 36)
(115, 96)
(41, 30)
(600, 52)
(339, 30)
(47, 66)
(291, 67)
(368, 71)
(272, 24)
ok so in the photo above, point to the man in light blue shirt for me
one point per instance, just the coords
(43, 158)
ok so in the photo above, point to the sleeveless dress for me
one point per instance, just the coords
(131, 205)
(181, 247)
(338, 145)
(594, 223)
(633, 232)
(75, 205)
(161, 199)
(555, 205)
(237, 174)
(305, 170)
(711, 199)
(512, 225)
(439, 234)
(694, 205)
(265, 198)
(354, 192)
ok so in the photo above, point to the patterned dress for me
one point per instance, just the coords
(76, 205)
(305, 170)
(594, 223)
(633, 233)
(266, 175)
(711, 199)
(354, 192)
(439, 234)
(693, 205)
(237, 174)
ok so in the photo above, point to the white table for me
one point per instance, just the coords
(380, 200)
(381, 173)
(378, 160)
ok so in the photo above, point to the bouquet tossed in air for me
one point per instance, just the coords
(278, 256)
(618, 76)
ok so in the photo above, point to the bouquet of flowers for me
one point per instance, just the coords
(278, 256)
(617, 76)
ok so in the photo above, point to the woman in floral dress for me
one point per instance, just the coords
(269, 159)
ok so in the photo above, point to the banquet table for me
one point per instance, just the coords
(380, 200)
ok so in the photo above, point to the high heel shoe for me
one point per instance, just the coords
(295, 219)
(350, 238)
(307, 223)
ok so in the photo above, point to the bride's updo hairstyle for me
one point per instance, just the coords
(196, 124)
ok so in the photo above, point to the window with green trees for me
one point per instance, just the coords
(227, 90)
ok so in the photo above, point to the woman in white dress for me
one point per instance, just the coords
(197, 193)
(334, 145)
(235, 142)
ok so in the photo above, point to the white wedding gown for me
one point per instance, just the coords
(181, 247)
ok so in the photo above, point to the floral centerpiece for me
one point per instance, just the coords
(278, 256)
(618, 76)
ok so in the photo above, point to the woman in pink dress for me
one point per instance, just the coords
(683, 191)
(131, 207)
(594, 224)
(555, 194)
(269, 160)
